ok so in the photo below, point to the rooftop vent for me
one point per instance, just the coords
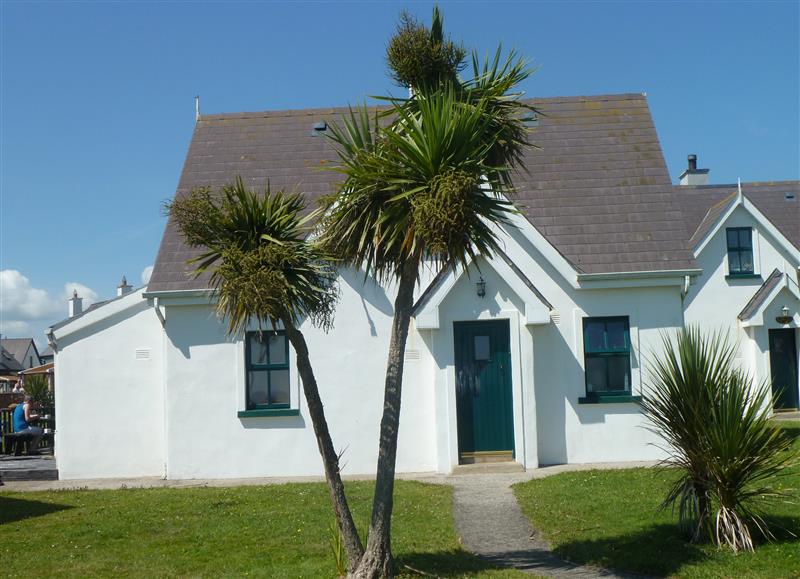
(319, 128)
(531, 121)
(789, 196)
(692, 175)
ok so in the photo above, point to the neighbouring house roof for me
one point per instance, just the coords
(8, 363)
(778, 201)
(47, 353)
(18, 347)
(597, 188)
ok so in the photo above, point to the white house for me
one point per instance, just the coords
(535, 355)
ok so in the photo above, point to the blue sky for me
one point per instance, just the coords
(97, 103)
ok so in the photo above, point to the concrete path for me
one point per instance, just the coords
(491, 525)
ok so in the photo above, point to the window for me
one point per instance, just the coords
(607, 356)
(267, 358)
(740, 250)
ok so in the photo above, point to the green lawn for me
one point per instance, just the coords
(267, 531)
(611, 518)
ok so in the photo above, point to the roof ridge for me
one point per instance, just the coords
(278, 113)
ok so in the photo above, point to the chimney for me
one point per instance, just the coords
(75, 304)
(123, 287)
(692, 175)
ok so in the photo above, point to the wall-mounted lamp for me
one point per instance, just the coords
(784, 318)
(480, 286)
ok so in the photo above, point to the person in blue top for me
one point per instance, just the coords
(23, 415)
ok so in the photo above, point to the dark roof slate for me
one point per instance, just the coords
(704, 204)
(18, 347)
(597, 189)
(761, 295)
(8, 363)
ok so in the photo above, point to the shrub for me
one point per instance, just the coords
(716, 425)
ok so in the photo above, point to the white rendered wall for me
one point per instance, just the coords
(569, 432)
(714, 302)
(109, 404)
(206, 388)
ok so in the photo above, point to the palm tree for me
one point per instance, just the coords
(426, 178)
(264, 270)
(716, 426)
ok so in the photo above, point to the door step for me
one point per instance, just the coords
(486, 456)
(488, 468)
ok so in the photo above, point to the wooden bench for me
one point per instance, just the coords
(15, 442)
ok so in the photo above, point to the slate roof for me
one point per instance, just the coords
(761, 295)
(8, 363)
(598, 189)
(703, 204)
(18, 347)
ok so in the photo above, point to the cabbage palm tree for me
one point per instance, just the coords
(265, 271)
(427, 178)
(717, 431)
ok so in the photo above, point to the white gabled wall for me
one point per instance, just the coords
(206, 388)
(715, 302)
(109, 404)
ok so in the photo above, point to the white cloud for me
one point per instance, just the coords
(146, 273)
(26, 310)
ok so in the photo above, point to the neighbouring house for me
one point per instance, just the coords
(16, 354)
(23, 350)
(536, 355)
(47, 356)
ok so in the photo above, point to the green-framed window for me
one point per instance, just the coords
(267, 359)
(607, 356)
(740, 250)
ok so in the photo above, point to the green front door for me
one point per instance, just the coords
(483, 389)
(783, 367)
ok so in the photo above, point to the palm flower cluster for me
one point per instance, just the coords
(262, 267)
(716, 425)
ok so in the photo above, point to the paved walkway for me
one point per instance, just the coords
(492, 525)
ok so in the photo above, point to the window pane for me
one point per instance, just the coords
(596, 375)
(745, 238)
(482, 349)
(618, 367)
(733, 261)
(257, 388)
(258, 349)
(733, 238)
(277, 349)
(594, 333)
(746, 261)
(279, 387)
(615, 331)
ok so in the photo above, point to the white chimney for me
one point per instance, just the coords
(692, 175)
(75, 304)
(123, 287)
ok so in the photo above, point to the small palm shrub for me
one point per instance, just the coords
(38, 388)
(715, 423)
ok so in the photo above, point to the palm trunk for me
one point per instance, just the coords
(344, 518)
(377, 560)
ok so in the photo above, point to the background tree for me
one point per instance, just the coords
(427, 178)
(717, 429)
(264, 270)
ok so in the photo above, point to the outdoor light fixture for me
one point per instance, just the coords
(784, 318)
(480, 285)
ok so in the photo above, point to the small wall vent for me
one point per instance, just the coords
(412, 355)
(555, 317)
(142, 354)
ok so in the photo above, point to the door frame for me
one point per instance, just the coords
(500, 454)
(793, 333)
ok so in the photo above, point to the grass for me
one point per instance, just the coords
(266, 531)
(611, 519)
